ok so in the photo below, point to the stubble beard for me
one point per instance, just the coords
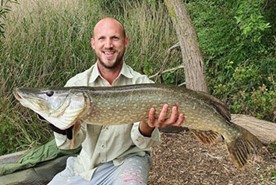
(115, 65)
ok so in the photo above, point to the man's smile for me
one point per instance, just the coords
(109, 54)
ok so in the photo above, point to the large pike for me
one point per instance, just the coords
(63, 107)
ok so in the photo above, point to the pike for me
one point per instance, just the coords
(205, 115)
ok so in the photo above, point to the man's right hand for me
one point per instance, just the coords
(68, 132)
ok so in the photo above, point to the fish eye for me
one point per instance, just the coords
(49, 93)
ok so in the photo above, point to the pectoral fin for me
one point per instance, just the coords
(75, 130)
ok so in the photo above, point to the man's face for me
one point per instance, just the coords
(109, 43)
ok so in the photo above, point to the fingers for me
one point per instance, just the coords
(151, 119)
(180, 120)
(163, 114)
(68, 132)
(56, 129)
(175, 119)
(174, 116)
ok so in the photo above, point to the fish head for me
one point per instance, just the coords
(61, 107)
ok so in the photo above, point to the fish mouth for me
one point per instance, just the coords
(17, 95)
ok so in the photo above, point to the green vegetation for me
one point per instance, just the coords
(47, 42)
(238, 42)
(5, 8)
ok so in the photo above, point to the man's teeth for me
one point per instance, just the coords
(108, 53)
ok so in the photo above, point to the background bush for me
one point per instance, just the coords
(47, 42)
(238, 41)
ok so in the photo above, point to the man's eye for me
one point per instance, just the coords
(50, 93)
(115, 38)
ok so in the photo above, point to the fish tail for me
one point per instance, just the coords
(243, 146)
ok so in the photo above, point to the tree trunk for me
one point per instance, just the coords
(265, 131)
(192, 59)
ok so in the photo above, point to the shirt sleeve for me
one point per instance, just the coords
(144, 142)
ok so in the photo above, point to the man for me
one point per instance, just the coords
(112, 154)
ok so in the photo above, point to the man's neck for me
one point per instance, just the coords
(110, 74)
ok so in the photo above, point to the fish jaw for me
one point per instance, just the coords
(31, 100)
(62, 108)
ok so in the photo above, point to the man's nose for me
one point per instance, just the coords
(109, 43)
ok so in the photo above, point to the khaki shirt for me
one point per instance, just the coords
(101, 144)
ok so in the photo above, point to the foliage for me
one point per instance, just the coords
(238, 45)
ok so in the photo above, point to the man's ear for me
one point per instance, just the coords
(126, 42)
(92, 42)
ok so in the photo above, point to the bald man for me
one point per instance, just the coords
(117, 154)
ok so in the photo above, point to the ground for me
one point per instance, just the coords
(181, 159)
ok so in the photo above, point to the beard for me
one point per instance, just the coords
(113, 65)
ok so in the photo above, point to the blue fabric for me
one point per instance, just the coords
(133, 171)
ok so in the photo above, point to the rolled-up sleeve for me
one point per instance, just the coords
(144, 142)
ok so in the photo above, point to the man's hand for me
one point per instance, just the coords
(176, 119)
(68, 132)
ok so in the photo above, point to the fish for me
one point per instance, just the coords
(206, 116)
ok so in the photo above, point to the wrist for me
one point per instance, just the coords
(145, 129)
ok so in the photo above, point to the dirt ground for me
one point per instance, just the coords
(181, 159)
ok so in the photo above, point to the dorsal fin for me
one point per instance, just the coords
(218, 105)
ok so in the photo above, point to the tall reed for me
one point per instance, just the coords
(47, 42)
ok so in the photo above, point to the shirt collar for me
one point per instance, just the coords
(96, 73)
(126, 72)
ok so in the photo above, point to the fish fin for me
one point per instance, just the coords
(172, 129)
(207, 137)
(244, 146)
(220, 107)
(75, 130)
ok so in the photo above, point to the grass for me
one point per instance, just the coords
(47, 42)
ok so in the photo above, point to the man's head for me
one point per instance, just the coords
(109, 42)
